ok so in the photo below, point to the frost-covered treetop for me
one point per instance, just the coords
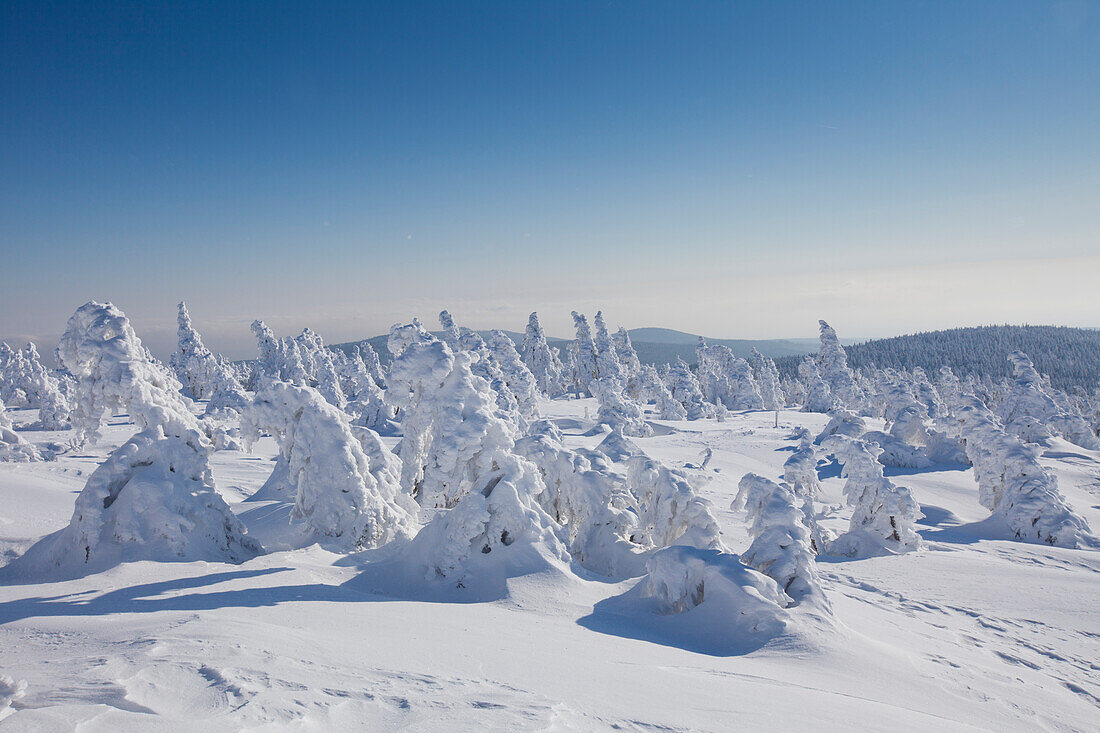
(404, 335)
(114, 370)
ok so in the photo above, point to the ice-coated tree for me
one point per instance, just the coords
(653, 389)
(883, 513)
(585, 495)
(338, 499)
(1012, 483)
(625, 352)
(768, 381)
(194, 365)
(725, 379)
(154, 497)
(685, 389)
(735, 598)
(781, 546)
(42, 390)
(227, 397)
(584, 356)
(607, 360)
(10, 369)
(496, 531)
(1029, 403)
(280, 358)
(671, 512)
(449, 334)
(416, 375)
(541, 360)
(800, 471)
(819, 397)
(842, 422)
(617, 410)
(832, 362)
(517, 377)
(372, 363)
(466, 436)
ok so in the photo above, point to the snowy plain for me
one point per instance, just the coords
(969, 633)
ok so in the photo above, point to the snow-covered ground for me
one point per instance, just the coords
(967, 633)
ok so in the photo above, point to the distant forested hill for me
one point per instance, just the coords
(1069, 356)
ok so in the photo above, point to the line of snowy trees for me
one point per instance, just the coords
(481, 487)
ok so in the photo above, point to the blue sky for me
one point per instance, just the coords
(736, 168)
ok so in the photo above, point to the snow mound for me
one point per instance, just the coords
(152, 499)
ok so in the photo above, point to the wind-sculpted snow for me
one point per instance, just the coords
(736, 600)
(337, 498)
(154, 497)
(884, 515)
(726, 379)
(1013, 484)
(1028, 403)
(781, 545)
(671, 512)
(114, 372)
(617, 410)
(585, 495)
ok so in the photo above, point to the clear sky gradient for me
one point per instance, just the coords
(733, 168)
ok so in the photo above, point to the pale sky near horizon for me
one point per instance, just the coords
(733, 169)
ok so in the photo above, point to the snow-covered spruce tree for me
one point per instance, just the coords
(819, 397)
(466, 436)
(670, 511)
(194, 365)
(42, 390)
(227, 397)
(517, 377)
(800, 471)
(781, 545)
(496, 531)
(1012, 483)
(617, 410)
(366, 400)
(483, 365)
(653, 389)
(685, 389)
(280, 358)
(607, 360)
(10, 370)
(154, 497)
(832, 362)
(726, 379)
(585, 495)
(625, 352)
(543, 364)
(372, 363)
(842, 422)
(338, 500)
(733, 598)
(884, 515)
(767, 381)
(584, 357)
(1029, 402)
(416, 374)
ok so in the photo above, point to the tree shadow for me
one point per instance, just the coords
(701, 630)
(149, 597)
